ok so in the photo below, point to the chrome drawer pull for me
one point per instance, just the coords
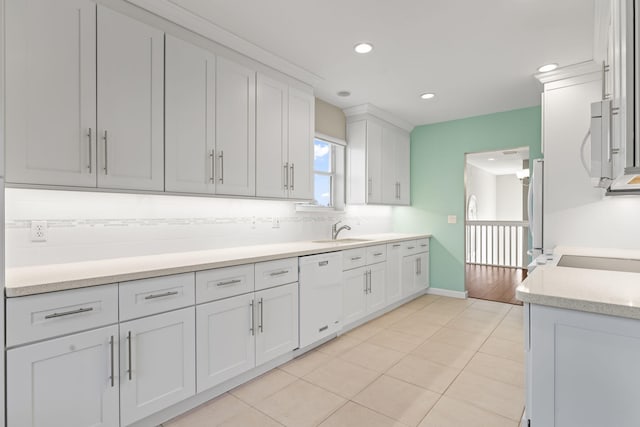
(377, 254)
(355, 258)
(279, 273)
(229, 282)
(397, 245)
(411, 247)
(423, 245)
(324, 328)
(323, 263)
(166, 294)
(68, 313)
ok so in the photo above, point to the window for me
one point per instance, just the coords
(328, 174)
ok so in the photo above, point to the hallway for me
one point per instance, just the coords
(493, 283)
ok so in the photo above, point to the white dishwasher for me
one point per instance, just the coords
(320, 296)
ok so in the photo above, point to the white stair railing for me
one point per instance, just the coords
(497, 243)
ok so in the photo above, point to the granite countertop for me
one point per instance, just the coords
(22, 281)
(613, 293)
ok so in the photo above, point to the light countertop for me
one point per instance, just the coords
(24, 281)
(613, 293)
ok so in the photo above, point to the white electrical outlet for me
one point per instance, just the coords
(452, 219)
(38, 231)
(276, 222)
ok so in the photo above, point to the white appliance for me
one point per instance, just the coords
(320, 296)
(536, 205)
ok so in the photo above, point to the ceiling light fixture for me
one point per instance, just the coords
(363, 47)
(428, 95)
(547, 68)
(344, 93)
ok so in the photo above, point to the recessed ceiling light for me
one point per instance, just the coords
(491, 159)
(363, 47)
(428, 95)
(548, 67)
(344, 93)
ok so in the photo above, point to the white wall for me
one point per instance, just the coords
(87, 226)
(508, 198)
(483, 185)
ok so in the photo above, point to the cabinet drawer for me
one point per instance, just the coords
(410, 247)
(140, 298)
(353, 258)
(376, 254)
(423, 245)
(224, 282)
(38, 317)
(275, 273)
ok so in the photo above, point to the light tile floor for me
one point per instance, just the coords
(434, 362)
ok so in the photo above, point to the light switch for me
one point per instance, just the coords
(452, 219)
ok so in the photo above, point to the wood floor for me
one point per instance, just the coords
(493, 283)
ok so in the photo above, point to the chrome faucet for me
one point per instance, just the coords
(335, 231)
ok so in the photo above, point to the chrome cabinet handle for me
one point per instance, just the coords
(278, 273)
(323, 263)
(397, 245)
(399, 190)
(292, 175)
(411, 247)
(90, 135)
(229, 282)
(366, 283)
(286, 176)
(369, 281)
(166, 294)
(221, 157)
(106, 140)
(112, 376)
(68, 313)
(260, 308)
(212, 159)
(129, 370)
(605, 69)
(417, 264)
(355, 258)
(252, 329)
(377, 254)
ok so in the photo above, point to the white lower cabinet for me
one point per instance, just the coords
(157, 356)
(394, 272)
(415, 267)
(238, 333)
(364, 291)
(69, 381)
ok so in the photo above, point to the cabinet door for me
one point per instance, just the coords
(409, 272)
(354, 295)
(403, 167)
(225, 336)
(388, 168)
(130, 103)
(394, 272)
(277, 322)
(301, 132)
(272, 166)
(50, 92)
(190, 117)
(374, 162)
(70, 381)
(157, 358)
(422, 271)
(377, 298)
(235, 129)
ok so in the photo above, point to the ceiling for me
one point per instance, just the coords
(502, 162)
(479, 57)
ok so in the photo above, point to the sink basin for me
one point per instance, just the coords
(600, 263)
(342, 241)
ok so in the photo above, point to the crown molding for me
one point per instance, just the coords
(569, 71)
(199, 25)
(372, 110)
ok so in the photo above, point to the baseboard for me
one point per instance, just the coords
(448, 293)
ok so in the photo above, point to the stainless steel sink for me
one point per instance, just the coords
(600, 263)
(341, 241)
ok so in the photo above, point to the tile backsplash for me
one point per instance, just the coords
(87, 225)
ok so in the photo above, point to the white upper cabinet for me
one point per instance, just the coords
(190, 118)
(51, 92)
(235, 129)
(130, 103)
(301, 132)
(285, 129)
(378, 169)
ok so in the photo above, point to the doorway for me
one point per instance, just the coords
(496, 223)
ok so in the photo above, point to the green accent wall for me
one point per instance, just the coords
(437, 181)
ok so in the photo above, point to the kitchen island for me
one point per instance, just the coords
(582, 341)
